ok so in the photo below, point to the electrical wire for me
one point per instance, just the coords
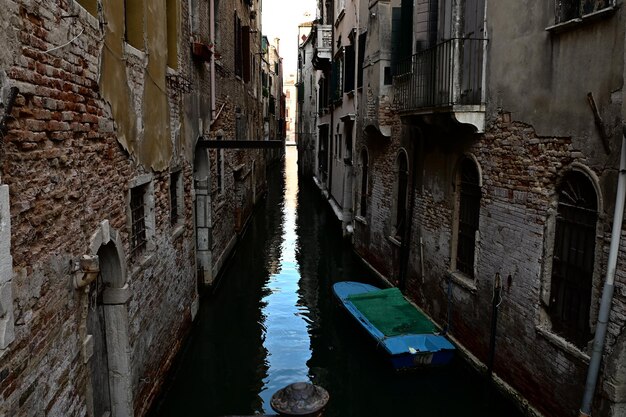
(65, 44)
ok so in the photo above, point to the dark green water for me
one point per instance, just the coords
(272, 321)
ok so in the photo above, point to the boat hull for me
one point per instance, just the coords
(405, 351)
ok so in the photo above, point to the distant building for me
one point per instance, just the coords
(290, 91)
(306, 110)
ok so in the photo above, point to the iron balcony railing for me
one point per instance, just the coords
(448, 74)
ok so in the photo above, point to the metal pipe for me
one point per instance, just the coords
(8, 109)
(609, 286)
(495, 304)
(212, 62)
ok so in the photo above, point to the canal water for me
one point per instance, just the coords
(272, 320)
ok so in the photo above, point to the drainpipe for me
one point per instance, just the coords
(212, 62)
(609, 286)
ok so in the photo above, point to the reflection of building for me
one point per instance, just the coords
(290, 92)
(473, 161)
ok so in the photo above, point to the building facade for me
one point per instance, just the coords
(305, 110)
(486, 163)
(114, 213)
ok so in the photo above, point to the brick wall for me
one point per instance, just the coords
(67, 173)
(520, 172)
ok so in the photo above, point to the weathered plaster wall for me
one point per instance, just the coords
(546, 80)
(141, 114)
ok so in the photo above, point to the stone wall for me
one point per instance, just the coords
(238, 102)
(68, 173)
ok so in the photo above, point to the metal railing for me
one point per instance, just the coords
(450, 73)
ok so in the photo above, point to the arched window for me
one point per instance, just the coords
(364, 174)
(468, 182)
(402, 183)
(573, 258)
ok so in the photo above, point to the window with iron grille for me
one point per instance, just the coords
(571, 9)
(138, 236)
(402, 183)
(469, 195)
(573, 259)
(175, 197)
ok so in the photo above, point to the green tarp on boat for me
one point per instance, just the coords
(391, 313)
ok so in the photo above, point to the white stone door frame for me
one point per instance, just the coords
(106, 243)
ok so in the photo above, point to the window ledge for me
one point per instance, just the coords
(86, 16)
(178, 231)
(340, 16)
(131, 50)
(562, 344)
(463, 281)
(394, 241)
(361, 220)
(564, 26)
(141, 262)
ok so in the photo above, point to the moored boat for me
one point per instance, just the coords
(409, 338)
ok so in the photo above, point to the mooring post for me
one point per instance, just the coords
(495, 304)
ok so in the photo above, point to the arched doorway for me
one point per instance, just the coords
(107, 324)
(99, 363)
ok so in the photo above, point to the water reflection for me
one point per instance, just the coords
(286, 336)
(273, 321)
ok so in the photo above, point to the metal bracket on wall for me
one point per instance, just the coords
(599, 123)
(9, 108)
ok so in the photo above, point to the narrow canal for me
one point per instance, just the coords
(272, 321)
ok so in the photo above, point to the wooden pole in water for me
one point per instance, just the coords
(495, 304)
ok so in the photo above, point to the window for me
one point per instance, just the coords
(336, 79)
(219, 169)
(402, 184)
(387, 78)
(242, 49)
(401, 33)
(364, 173)
(573, 258)
(571, 9)
(339, 146)
(238, 45)
(348, 85)
(133, 13)
(138, 236)
(90, 5)
(468, 194)
(172, 33)
(176, 198)
(361, 58)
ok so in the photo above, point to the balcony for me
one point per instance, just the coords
(323, 51)
(445, 78)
